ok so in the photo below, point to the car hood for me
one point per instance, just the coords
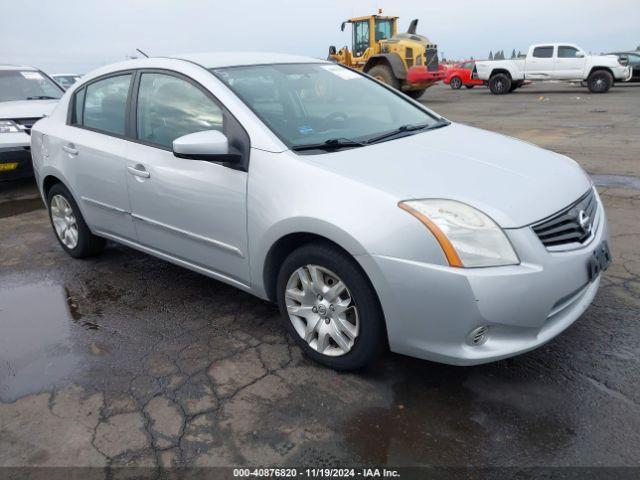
(26, 108)
(514, 182)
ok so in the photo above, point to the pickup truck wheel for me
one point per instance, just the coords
(500, 84)
(600, 81)
(384, 74)
(455, 83)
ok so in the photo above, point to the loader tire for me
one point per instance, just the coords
(384, 74)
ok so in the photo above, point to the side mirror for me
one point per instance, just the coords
(579, 54)
(208, 145)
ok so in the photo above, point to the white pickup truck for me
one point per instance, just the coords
(553, 61)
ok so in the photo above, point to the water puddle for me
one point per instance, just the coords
(10, 208)
(35, 346)
(624, 181)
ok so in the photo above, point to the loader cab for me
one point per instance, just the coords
(368, 31)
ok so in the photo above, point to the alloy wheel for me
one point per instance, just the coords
(64, 221)
(322, 310)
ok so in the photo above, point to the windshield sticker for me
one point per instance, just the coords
(305, 130)
(32, 75)
(341, 72)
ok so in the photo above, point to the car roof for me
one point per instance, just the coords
(17, 67)
(235, 59)
(65, 75)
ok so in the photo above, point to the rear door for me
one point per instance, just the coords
(191, 210)
(540, 64)
(92, 150)
(568, 64)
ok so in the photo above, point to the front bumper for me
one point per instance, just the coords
(15, 156)
(420, 76)
(623, 74)
(431, 310)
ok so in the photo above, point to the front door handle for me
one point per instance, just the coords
(138, 171)
(70, 149)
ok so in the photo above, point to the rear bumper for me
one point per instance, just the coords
(15, 161)
(419, 75)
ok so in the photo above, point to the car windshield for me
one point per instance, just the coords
(66, 80)
(27, 85)
(312, 103)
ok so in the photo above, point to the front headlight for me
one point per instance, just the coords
(468, 237)
(8, 126)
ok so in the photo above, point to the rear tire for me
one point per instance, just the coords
(416, 94)
(82, 243)
(330, 266)
(500, 84)
(384, 74)
(600, 81)
(455, 83)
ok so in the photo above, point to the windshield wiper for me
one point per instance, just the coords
(42, 97)
(331, 144)
(408, 128)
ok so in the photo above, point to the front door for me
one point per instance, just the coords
(191, 210)
(570, 63)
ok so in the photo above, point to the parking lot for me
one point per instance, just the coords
(133, 361)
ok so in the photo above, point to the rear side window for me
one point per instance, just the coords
(170, 107)
(105, 104)
(543, 52)
(567, 52)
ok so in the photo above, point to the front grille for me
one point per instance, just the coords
(573, 224)
(27, 123)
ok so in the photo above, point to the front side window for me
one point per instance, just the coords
(383, 29)
(311, 103)
(543, 52)
(633, 59)
(105, 104)
(360, 37)
(16, 85)
(567, 52)
(170, 107)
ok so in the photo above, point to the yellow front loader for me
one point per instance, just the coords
(405, 61)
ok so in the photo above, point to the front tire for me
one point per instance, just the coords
(500, 84)
(416, 94)
(384, 74)
(330, 308)
(69, 226)
(600, 81)
(455, 83)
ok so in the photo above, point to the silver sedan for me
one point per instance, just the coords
(370, 220)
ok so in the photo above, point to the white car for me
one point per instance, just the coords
(66, 79)
(368, 218)
(553, 61)
(26, 95)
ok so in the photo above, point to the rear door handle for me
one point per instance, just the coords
(70, 149)
(138, 171)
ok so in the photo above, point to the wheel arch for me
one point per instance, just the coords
(392, 60)
(598, 68)
(497, 71)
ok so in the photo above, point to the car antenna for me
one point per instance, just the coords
(147, 56)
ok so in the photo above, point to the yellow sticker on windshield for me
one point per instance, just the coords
(342, 72)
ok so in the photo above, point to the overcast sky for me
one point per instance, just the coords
(78, 35)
